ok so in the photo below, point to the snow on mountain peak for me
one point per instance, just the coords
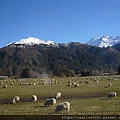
(33, 41)
(104, 41)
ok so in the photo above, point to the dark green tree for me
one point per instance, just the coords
(25, 73)
(119, 70)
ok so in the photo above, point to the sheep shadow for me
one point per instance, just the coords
(106, 86)
(41, 106)
(6, 101)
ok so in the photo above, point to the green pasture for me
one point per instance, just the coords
(87, 99)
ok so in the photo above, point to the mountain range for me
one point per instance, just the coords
(96, 57)
(103, 41)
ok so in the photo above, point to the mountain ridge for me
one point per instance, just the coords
(104, 41)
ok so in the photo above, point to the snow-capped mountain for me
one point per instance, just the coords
(104, 41)
(30, 41)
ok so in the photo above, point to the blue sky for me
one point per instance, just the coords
(58, 20)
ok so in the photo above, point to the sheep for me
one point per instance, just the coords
(97, 81)
(1, 83)
(59, 82)
(11, 83)
(109, 84)
(109, 78)
(57, 95)
(63, 106)
(73, 83)
(69, 83)
(16, 99)
(34, 83)
(20, 83)
(87, 82)
(5, 86)
(81, 81)
(55, 82)
(29, 83)
(52, 81)
(76, 85)
(112, 94)
(34, 98)
(43, 83)
(51, 101)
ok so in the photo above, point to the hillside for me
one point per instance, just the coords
(63, 60)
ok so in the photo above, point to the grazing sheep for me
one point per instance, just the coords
(55, 82)
(69, 83)
(49, 82)
(63, 106)
(109, 84)
(34, 98)
(16, 99)
(43, 82)
(73, 83)
(81, 81)
(29, 83)
(87, 82)
(76, 85)
(112, 94)
(57, 95)
(34, 83)
(11, 83)
(51, 101)
(59, 82)
(97, 81)
(1, 83)
(5, 86)
(109, 78)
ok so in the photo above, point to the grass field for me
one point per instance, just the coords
(87, 99)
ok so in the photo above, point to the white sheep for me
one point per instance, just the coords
(63, 106)
(5, 86)
(76, 85)
(34, 83)
(58, 95)
(69, 83)
(34, 98)
(49, 82)
(16, 99)
(51, 101)
(87, 82)
(109, 84)
(11, 83)
(55, 82)
(112, 94)
(1, 83)
(97, 81)
(73, 83)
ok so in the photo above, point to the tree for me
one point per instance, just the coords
(25, 73)
(57, 71)
(119, 70)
